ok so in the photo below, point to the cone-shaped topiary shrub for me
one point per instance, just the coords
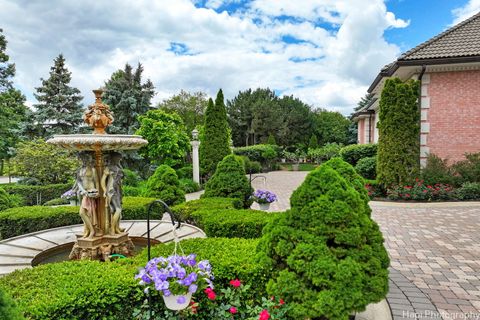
(164, 185)
(327, 255)
(8, 309)
(230, 181)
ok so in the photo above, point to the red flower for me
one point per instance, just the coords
(282, 302)
(264, 315)
(236, 283)
(210, 294)
(233, 310)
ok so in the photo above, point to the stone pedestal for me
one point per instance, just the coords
(100, 248)
(196, 162)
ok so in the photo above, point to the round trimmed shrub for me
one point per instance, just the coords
(230, 181)
(189, 186)
(367, 167)
(327, 255)
(164, 185)
(354, 152)
(8, 309)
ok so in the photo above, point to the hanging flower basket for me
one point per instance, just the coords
(264, 198)
(177, 278)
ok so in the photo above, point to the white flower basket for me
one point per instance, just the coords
(172, 304)
(264, 206)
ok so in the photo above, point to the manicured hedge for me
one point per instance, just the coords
(93, 290)
(22, 220)
(258, 152)
(37, 195)
(8, 308)
(232, 223)
(184, 210)
(354, 152)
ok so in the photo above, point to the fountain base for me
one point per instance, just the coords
(100, 248)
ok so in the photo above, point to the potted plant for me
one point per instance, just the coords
(264, 198)
(176, 278)
(71, 196)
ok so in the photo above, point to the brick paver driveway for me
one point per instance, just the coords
(436, 246)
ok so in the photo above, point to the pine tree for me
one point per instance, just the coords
(59, 110)
(7, 70)
(128, 98)
(215, 143)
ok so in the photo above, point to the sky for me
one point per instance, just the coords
(325, 52)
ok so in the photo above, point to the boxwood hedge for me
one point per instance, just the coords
(94, 290)
(37, 195)
(22, 220)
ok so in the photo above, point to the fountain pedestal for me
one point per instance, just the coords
(99, 184)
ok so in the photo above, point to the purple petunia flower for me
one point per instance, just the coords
(181, 300)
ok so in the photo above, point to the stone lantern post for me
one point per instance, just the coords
(196, 161)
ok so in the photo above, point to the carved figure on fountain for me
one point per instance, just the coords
(112, 185)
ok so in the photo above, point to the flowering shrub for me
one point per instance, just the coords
(69, 195)
(264, 196)
(177, 275)
(233, 302)
(422, 192)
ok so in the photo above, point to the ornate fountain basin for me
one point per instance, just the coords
(93, 142)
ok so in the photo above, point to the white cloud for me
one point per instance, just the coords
(328, 68)
(459, 14)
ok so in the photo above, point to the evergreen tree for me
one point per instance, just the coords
(59, 110)
(128, 98)
(398, 160)
(7, 70)
(215, 144)
(271, 139)
(313, 142)
(13, 112)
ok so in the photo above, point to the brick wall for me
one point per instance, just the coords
(454, 114)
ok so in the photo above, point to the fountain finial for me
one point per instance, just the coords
(98, 115)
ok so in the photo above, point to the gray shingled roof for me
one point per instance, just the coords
(462, 40)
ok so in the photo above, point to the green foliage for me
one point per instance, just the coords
(109, 290)
(231, 223)
(184, 210)
(399, 129)
(44, 162)
(375, 189)
(59, 110)
(188, 185)
(331, 127)
(22, 220)
(327, 255)
(271, 139)
(13, 113)
(297, 121)
(190, 107)
(328, 151)
(8, 308)
(167, 138)
(56, 202)
(367, 167)
(313, 142)
(468, 170)
(419, 191)
(469, 191)
(215, 144)
(185, 172)
(131, 178)
(7, 70)
(164, 185)
(6, 200)
(437, 170)
(263, 153)
(354, 152)
(251, 166)
(230, 181)
(37, 195)
(128, 98)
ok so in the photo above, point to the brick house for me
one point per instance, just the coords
(448, 68)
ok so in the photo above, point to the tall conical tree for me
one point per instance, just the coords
(128, 98)
(215, 144)
(59, 110)
(7, 70)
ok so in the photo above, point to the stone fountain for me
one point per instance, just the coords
(99, 184)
